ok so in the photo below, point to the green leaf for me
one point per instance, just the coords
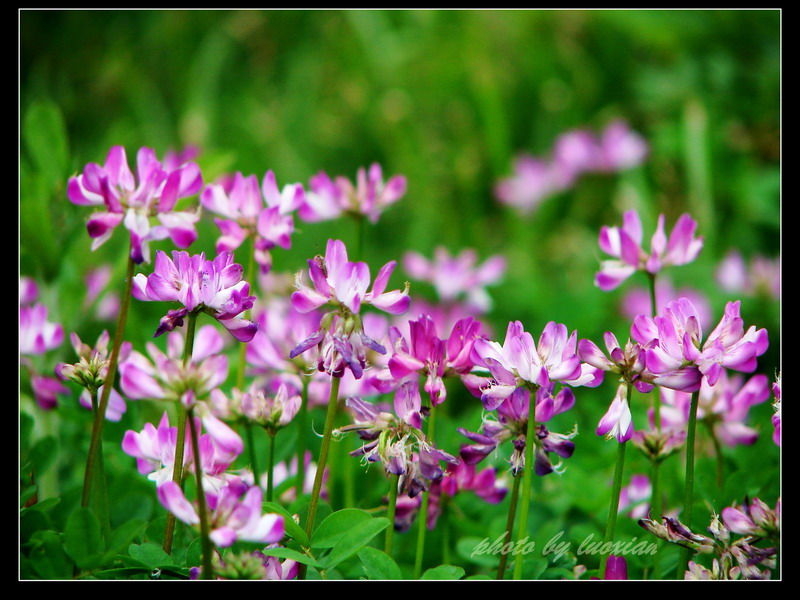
(83, 540)
(444, 572)
(293, 530)
(479, 576)
(122, 536)
(336, 525)
(290, 554)
(378, 564)
(149, 554)
(355, 539)
(47, 557)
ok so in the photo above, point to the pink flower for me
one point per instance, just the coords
(621, 148)
(754, 518)
(96, 283)
(763, 276)
(617, 422)
(245, 214)
(624, 244)
(533, 181)
(124, 200)
(166, 378)
(28, 291)
(235, 513)
(427, 355)
(271, 411)
(634, 497)
(457, 276)
(154, 451)
(519, 362)
(213, 286)
(46, 391)
(776, 405)
(616, 568)
(328, 199)
(36, 334)
(342, 284)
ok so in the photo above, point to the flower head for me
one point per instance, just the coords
(328, 199)
(213, 286)
(36, 334)
(458, 276)
(133, 201)
(624, 245)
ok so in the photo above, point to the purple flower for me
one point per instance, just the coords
(521, 362)
(342, 284)
(271, 411)
(754, 518)
(328, 199)
(627, 362)
(680, 344)
(457, 276)
(723, 405)
(533, 181)
(245, 213)
(620, 148)
(36, 334)
(634, 497)
(96, 283)
(776, 405)
(396, 440)
(616, 568)
(235, 513)
(154, 451)
(617, 422)
(166, 377)
(763, 276)
(511, 424)
(28, 291)
(214, 286)
(134, 200)
(625, 245)
(46, 391)
(435, 358)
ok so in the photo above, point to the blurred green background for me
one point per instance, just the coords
(447, 99)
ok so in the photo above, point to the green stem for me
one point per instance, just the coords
(96, 443)
(393, 482)
(251, 450)
(613, 508)
(688, 491)
(240, 373)
(323, 454)
(527, 483)
(512, 511)
(177, 463)
(302, 421)
(655, 504)
(651, 277)
(205, 541)
(270, 464)
(444, 517)
(422, 525)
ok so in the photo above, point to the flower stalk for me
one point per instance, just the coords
(422, 527)
(205, 541)
(302, 421)
(527, 483)
(688, 492)
(390, 512)
(94, 458)
(613, 508)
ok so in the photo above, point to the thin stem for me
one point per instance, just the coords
(323, 454)
(527, 483)
(444, 517)
(205, 541)
(512, 511)
(177, 463)
(613, 508)
(688, 491)
(422, 527)
(655, 504)
(651, 277)
(96, 443)
(251, 449)
(251, 262)
(302, 420)
(393, 483)
(270, 464)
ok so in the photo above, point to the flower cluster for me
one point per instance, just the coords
(575, 153)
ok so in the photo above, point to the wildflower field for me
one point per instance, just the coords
(319, 295)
